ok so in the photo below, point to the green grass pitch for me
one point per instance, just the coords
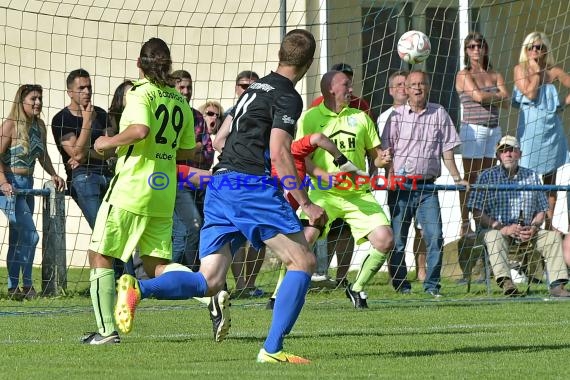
(398, 337)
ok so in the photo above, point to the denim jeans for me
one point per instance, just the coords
(424, 206)
(22, 236)
(88, 190)
(186, 229)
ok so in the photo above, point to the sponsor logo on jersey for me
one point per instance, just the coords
(288, 120)
(261, 86)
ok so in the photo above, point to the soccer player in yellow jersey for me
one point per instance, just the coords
(355, 135)
(156, 128)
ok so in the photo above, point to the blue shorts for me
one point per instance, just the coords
(240, 207)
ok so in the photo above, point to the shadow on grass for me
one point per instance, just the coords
(472, 350)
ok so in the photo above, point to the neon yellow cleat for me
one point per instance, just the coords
(280, 357)
(128, 297)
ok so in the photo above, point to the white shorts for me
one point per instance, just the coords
(478, 141)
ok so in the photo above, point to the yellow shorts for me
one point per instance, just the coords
(118, 232)
(359, 209)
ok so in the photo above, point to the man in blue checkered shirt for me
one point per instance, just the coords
(497, 215)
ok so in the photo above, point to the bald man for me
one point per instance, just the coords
(355, 135)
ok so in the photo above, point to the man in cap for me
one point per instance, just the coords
(511, 220)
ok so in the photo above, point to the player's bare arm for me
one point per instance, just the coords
(133, 134)
(222, 134)
(318, 172)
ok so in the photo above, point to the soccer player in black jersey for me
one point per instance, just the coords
(242, 202)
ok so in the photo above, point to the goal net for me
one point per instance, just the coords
(42, 41)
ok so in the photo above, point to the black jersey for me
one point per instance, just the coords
(270, 102)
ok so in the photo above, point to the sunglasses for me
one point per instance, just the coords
(536, 47)
(473, 46)
(32, 87)
(210, 113)
(27, 88)
(244, 86)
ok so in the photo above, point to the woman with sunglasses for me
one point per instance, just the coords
(213, 112)
(540, 132)
(481, 91)
(22, 142)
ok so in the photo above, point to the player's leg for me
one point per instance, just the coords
(300, 262)
(311, 235)
(174, 281)
(341, 242)
(102, 292)
(367, 221)
(108, 242)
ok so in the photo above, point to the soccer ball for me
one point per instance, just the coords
(414, 47)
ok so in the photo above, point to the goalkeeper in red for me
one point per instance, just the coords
(355, 135)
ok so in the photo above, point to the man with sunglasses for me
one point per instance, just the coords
(503, 228)
(243, 80)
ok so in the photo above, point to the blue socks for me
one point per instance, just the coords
(288, 305)
(174, 285)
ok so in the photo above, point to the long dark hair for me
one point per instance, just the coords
(118, 104)
(155, 62)
(477, 37)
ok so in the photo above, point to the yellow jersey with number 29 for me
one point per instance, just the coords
(145, 180)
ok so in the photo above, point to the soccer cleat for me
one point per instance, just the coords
(219, 308)
(280, 357)
(128, 297)
(358, 299)
(270, 304)
(97, 339)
